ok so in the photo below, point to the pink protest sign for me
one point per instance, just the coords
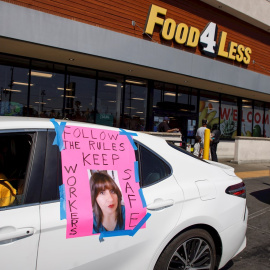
(102, 194)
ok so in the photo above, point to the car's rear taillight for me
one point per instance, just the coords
(238, 190)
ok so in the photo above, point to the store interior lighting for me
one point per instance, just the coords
(13, 90)
(38, 102)
(69, 96)
(68, 89)
(41, 74)
(21, 83)
(170, 94)
(213, 100)
(111, 85)
(135, 82)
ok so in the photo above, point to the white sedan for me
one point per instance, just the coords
(198, 208)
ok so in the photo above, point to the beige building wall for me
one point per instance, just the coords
(255, 12)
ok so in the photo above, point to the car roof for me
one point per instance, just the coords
(17, 122)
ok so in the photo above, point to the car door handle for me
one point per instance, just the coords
(160, 204)
(17, 233)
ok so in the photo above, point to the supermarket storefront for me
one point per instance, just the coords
(52, 66)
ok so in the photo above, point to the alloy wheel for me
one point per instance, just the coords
(193, 254)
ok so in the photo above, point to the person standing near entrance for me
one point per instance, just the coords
(164, 126)
(197, 147)
(201, 130)
(215, 135)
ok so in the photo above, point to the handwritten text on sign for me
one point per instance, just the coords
(97, 149)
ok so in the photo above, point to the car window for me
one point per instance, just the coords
(152, 168)
(184, 151)
(52, 171)
(15, 150)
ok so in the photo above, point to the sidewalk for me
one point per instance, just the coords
(249, 170)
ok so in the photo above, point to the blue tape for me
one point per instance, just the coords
(140, 224)
(136, 170)
(62, 202)
(59, 129)
(125, 232)
(114, 233)
(129, 134)
(142, 198)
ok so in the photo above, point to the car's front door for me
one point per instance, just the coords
(19, 235)
(22, 169)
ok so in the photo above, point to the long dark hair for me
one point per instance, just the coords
(101, 181)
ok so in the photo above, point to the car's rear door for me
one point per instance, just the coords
(164, 201)
(22, 162)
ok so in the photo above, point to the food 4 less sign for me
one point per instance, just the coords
(191, 36)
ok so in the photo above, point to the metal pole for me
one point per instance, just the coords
(206, 144)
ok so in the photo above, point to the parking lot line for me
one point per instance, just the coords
(258, 213)
(258, 229)
(253, 174)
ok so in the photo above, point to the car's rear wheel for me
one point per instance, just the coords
(192, 250)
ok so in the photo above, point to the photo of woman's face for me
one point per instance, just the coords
(108, 201)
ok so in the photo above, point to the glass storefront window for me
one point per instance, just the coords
(158, 94)
(164, 103)
(46, 95)
(80, 94)
(246, 129)
(109, 99)
(266, 121)
(209, 108)
(193, 100)
(157, 100)
(169, 93)
(179, 103)
(116, 106)
(228, 117)
(183, 97)
(258, 119)
(14, 87)
(135, 104)
(187, 99)
(164, 95)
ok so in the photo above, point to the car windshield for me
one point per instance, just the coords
(185, 152)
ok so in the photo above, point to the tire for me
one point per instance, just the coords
(200, 252)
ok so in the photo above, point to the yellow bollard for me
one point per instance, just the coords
(206, 144)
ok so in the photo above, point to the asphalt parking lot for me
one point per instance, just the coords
(256, 255)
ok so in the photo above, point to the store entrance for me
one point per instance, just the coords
(185, 121)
